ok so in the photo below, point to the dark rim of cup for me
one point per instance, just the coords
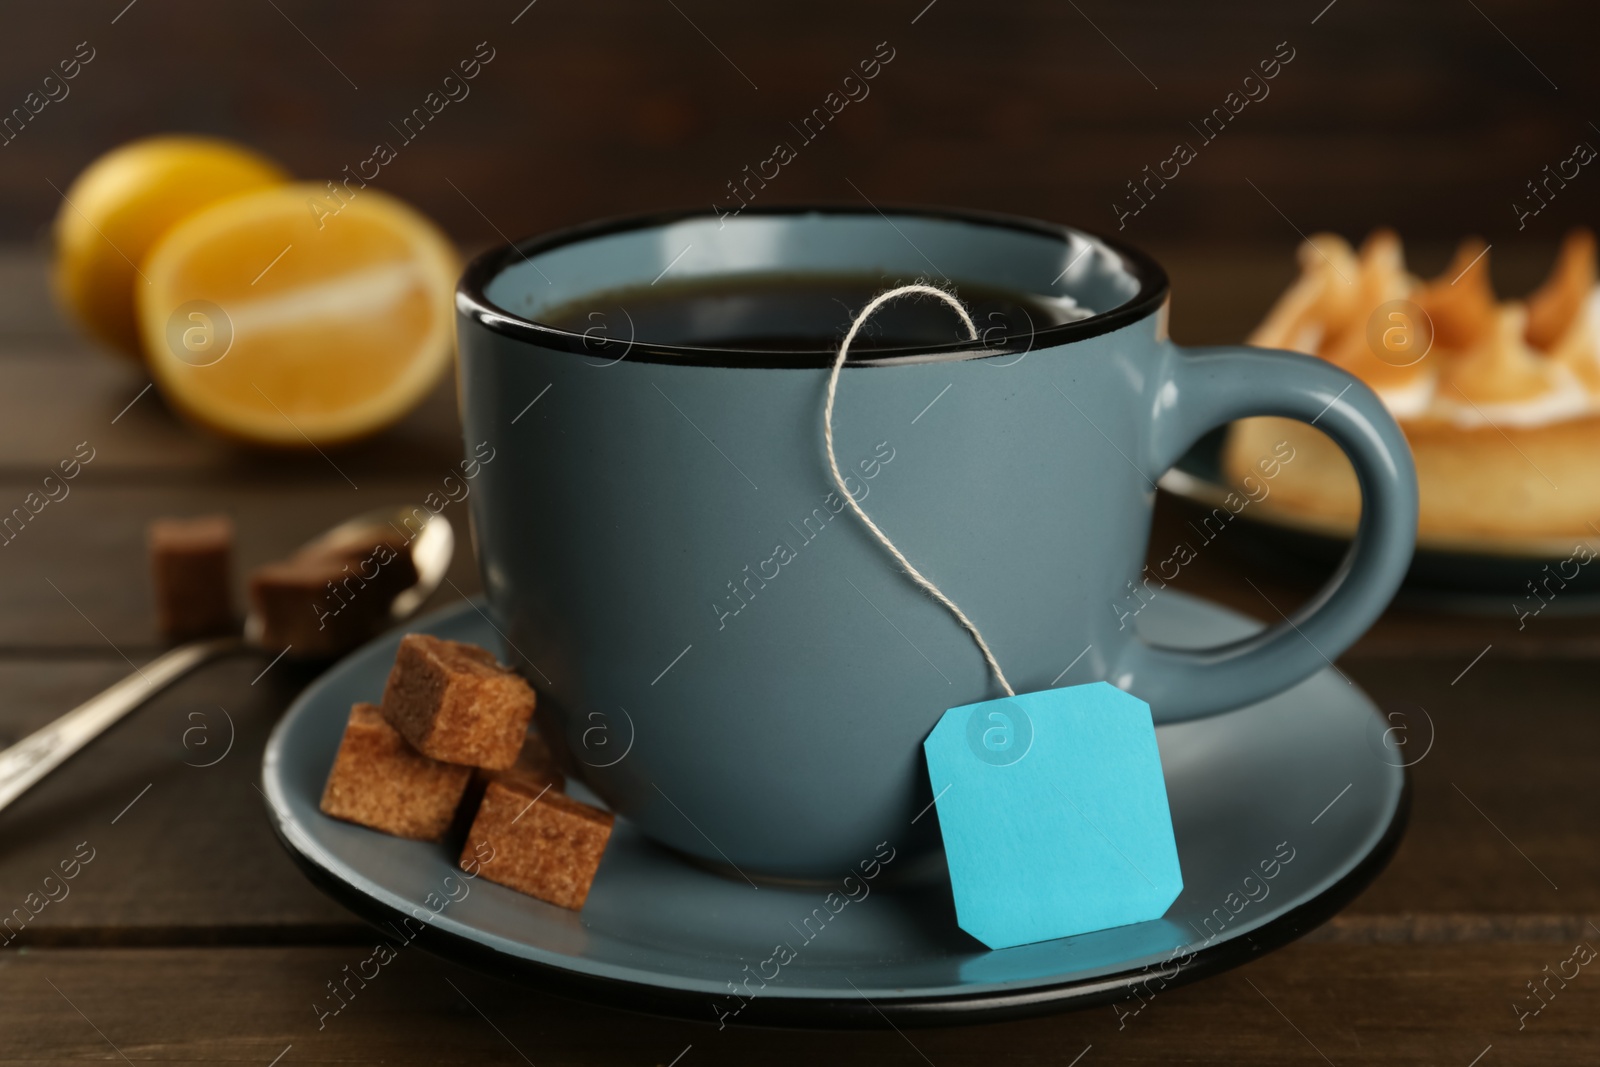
(472, 302)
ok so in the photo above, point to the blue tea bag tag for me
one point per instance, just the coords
(1054, 814)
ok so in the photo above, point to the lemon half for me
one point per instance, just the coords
(288, 318)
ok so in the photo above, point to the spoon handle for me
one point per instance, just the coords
(42, 751)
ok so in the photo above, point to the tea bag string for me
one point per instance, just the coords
(838, 478)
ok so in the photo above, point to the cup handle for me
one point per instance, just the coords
(1206, 387)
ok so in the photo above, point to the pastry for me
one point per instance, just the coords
(1500, 401)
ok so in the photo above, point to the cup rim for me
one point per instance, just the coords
(473, 302)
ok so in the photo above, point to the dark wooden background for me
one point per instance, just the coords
(1428, 115)
(192, 938)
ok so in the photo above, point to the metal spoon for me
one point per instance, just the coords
(42, 751)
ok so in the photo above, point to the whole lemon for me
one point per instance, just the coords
(122, 204)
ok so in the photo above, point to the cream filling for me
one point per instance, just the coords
(1566, 399)
(1412, 400)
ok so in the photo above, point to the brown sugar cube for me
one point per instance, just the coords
(538, 842)
(191, 562)
(324, 602)
(376, 563)
(534, 769)
(455, 703)
(381, 782)
(294, 601)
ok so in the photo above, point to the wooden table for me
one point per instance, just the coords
(189, 936)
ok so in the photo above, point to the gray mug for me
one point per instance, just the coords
(723, 654)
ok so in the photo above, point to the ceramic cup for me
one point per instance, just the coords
(723, 653)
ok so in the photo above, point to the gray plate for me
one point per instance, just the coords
(1308, 775)
(1475, 575)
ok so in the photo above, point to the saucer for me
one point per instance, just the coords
(1283, 810)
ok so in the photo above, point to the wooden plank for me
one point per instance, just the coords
(28, 311)
(77, 576)
(1503, 812)
(182, 852)
(59, 397)
(1305, 1004)
(1500, 803)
